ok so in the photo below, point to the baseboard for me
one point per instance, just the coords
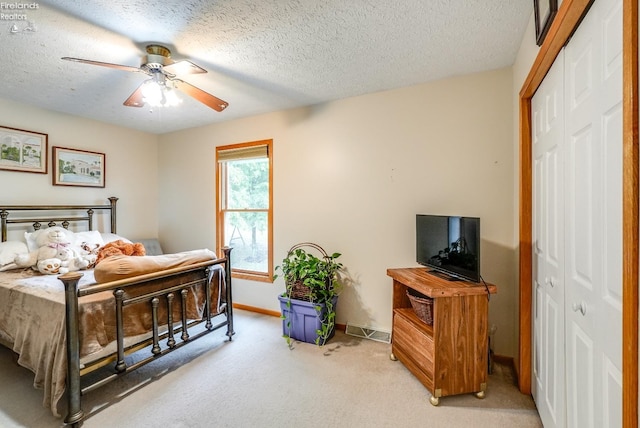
(340, 327)
(509, 363)
(504, 360)
(256, 309)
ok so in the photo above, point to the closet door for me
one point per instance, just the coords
(593, 222)
(548, 264)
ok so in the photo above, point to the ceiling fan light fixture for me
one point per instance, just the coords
(156, 93)
(160, 90)
(171, 97)
(151, 92)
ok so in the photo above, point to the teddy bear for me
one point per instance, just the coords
(90, 253)
(53, 254)
(49, 266)
(65, 260)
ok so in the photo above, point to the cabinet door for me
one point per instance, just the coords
(593, 222)
(548, 249)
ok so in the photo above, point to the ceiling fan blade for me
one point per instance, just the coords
(204, 97)
(136, 99)
(104, 64)
(183, 67)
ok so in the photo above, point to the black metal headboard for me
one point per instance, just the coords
(51, 220)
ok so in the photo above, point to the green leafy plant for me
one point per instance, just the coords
(312, 279)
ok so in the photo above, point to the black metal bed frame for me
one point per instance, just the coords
(168, 286)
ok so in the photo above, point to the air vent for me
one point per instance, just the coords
(368, 333)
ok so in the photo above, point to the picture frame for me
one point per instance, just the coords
(24, 151)
(544, 12)
(82, 168)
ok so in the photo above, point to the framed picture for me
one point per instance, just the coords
(22, 150)
(73, 167)
(544, 12)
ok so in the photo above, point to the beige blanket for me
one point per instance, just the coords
(32, 313)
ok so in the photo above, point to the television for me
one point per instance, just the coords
(449, 246)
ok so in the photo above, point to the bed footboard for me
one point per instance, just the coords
(167, 288)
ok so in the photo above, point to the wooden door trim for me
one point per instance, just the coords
(568, 18)
(630, 214)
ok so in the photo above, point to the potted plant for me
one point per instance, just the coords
(309, 302)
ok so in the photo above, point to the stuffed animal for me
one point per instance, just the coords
(49, 266)
(70, 261)
(54, 265)
(90, 254)
(51, 243)
(120, 247)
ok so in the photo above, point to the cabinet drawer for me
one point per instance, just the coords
(413, 338)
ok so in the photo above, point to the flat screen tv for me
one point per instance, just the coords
(449, 245)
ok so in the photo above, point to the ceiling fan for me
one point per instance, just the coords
(163, 71)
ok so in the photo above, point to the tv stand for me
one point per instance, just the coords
(450, 356)
(443, 275)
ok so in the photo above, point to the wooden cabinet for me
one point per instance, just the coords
(451, 356)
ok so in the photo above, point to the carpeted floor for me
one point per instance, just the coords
(256, 381)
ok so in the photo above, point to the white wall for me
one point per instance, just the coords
(350, 175)
(130, 160)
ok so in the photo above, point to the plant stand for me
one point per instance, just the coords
(301, 321)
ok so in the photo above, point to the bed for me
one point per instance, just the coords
(81, 330)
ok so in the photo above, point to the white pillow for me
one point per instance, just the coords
(92, 238)
(110, 237)
(9, 250)
(31, 242)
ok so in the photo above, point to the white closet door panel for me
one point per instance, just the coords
(580, 390)
(554, 212)
(611, 95)
(548, 299)
(593, 225)
(610, 294)
(553, 393)
(609, 332)
(611, 394)
(583, 240)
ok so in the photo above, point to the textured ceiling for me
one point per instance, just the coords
(261, 55)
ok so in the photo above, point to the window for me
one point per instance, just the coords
(244, 207)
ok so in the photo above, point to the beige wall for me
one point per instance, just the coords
(350, 175)
(130, 158)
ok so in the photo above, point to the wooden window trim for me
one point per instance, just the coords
(239, 273)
